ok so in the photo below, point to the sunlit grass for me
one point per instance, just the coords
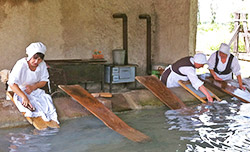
(210, 36)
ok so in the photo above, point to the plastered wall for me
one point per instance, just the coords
(72, 29)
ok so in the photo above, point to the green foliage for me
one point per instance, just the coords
(214, 47)
(216, 30)
(208, 27)
(213, 11)
(231, 24)
(241, 46)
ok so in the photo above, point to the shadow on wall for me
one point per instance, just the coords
(18, 2)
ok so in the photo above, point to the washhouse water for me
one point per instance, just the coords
(221, 126)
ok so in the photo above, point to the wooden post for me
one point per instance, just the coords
(235, 34)
(236, 23)
(245, 30)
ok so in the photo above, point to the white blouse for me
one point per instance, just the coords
(23, 76)
(173, 77)
(235, 67)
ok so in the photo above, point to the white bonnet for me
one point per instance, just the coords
(33, 48)
(200, 58)
(224, 48)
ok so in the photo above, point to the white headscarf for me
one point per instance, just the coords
(200, 58)
(33, 48)
(224, 48)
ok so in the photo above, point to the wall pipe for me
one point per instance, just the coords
(149, 64)
(125, 33)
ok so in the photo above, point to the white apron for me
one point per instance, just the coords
(22, 76)
(42, 102)
(173, 78)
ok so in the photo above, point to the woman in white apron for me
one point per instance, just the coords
(222, 65)
(185, 69)
(28, 75)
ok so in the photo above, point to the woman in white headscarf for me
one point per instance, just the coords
(222, 65)
(28, 75)
(185, 69)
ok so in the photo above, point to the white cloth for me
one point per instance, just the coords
(243, 94)
(200, 58)
(224, 48)
(173, 77)
(22, 76)
(33, 48)
(222, 66)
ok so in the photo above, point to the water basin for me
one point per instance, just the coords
(221, 126)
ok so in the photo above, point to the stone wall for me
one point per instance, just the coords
(172, 34)
(73, 29)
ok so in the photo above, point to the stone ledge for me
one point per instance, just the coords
(67, 108)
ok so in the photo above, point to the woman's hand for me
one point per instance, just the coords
(217, 78)
(26, 103)
(242, 87)
(210, 99)
(30, 88)
(240, 82)
(204, 90)
(214, 75)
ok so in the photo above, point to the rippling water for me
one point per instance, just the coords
(222, 126)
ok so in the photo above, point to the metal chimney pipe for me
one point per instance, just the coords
(149, 64)
(125, 33)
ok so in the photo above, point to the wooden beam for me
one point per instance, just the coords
(197, 93)
(227, 88)
(103, 113)
(164, 94)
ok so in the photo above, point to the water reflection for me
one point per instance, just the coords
(31, 141)
(222, 126)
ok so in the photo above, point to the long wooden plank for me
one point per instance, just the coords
(197, 93)
(165, 95)
(103, 113)
(225, 87)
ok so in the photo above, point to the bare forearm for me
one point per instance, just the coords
(240, 82)
(25, 101)
(212, 72)
(30, 88)
(214, 75)
(204, 90)
(15, 88)
(40, 84)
